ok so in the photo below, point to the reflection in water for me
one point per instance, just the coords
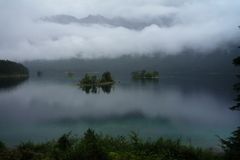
(106, 88)
(125, 117)
(146, 81)
(96, 89)
(43, 109)
(11, 83)
(39, 73)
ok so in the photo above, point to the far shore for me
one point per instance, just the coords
(15, 76)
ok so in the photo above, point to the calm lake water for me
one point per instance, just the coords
(193, 109)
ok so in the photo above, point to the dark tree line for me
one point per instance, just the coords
(236, 86)
(231, 146)
(9, 68)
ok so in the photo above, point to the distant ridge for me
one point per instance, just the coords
(136, 24)
(217, 62)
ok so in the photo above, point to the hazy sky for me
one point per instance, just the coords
(201, 25)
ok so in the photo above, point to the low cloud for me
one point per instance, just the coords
(198, 25)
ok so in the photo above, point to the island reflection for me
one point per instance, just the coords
(94, 89)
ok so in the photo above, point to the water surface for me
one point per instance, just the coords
(193, 109)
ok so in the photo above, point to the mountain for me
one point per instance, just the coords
(136, 24)
(216, 63)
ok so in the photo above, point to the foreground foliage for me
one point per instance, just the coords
(231, 146)
(94, 146)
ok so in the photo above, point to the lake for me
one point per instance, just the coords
(194, 109)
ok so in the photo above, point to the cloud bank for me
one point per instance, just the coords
(197, 25)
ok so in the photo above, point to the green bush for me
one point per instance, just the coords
(2, 146)
(231, 146)
(94, 146)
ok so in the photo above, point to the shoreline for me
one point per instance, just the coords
(96, 84)
(146, 78)
(14, 76)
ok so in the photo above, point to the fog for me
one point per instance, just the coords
(201, 26)
(142, 101)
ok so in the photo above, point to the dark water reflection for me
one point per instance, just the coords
(195, 110)
(145, 81)
(11, 83)
(97, 89)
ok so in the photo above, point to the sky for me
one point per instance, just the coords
(201, 26)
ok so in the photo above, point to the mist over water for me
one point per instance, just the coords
(193, 109)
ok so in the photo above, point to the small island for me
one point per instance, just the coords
(92, 83)
(70, 74)
(93, 80)
(141, 75)
(9, 69)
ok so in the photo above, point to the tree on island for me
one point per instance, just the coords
(91, 83)
(94, 80)
(145, 74)
(87, 79)
(106, 77)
